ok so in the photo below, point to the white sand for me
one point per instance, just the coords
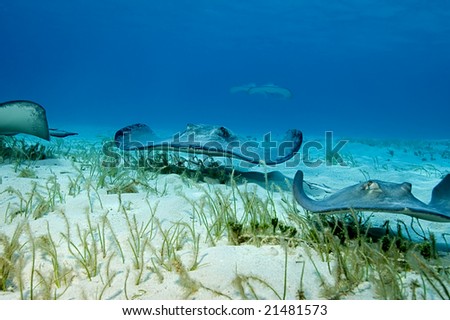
(224, 270)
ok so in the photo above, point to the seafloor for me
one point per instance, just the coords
(180, 228)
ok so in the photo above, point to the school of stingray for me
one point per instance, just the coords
(28, 117)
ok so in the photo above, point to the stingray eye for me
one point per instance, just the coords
(407, 186)
(371, 185)
(366, 186)
(374, 186)
(223, 132)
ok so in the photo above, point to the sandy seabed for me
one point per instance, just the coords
(72, 229)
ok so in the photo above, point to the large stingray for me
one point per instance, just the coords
(380, 196)
(212, 141)
(23, 116)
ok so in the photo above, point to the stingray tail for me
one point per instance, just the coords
(299, 192)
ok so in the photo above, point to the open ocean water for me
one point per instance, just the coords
(354, 67)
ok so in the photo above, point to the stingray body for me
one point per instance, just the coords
(212, 141)
(23, 116)
(380, 196)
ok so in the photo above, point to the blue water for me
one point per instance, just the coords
(356, 67)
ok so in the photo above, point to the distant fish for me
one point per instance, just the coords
(266, 90)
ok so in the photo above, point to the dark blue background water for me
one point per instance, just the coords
(370, 68)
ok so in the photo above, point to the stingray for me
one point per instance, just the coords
(212, 141)
(380, 196)
(23, 116)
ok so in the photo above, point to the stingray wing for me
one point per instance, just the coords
(440, 197)
(377, 196)
(23, 116)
